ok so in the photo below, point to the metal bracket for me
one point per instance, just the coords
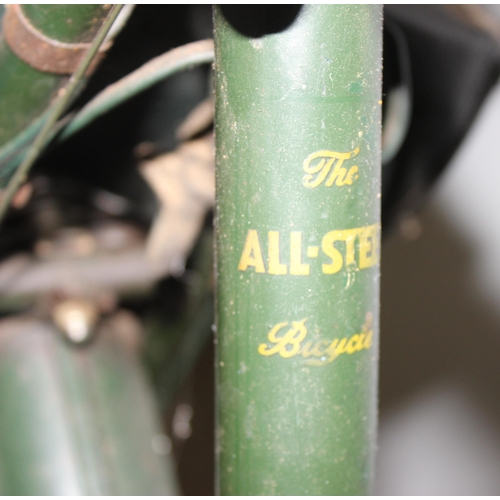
(39, 51)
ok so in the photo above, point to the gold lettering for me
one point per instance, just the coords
(292, 338)
(341, 347)
(321, 163)
(351, 348)
(297, 268)
(352, 175)
(266, 351)
(317, 349)
(252, 254)
(339, 173)
(328, 247)
(356, 247)
(323, 167)
(349, 236)
(331, 350)
(319, 352)
(305, 352)
(367, 256)
(275, 266)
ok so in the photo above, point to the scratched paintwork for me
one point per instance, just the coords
(26, 92)
(297, 236)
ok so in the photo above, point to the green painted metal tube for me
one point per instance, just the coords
(25, 92)
(298, 121)
(70, 23)
(78, 420)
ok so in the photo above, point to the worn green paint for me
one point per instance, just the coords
(68, 23)
(26, 92)
(76, 420)
(286, 427)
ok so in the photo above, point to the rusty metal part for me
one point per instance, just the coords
(41, 52)
(184, 183)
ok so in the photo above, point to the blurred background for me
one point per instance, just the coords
(440, 331)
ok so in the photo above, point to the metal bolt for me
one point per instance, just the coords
(76, 318)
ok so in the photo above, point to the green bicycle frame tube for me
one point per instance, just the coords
(25, 91)
(298, 127)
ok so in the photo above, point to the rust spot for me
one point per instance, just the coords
(41, 52)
